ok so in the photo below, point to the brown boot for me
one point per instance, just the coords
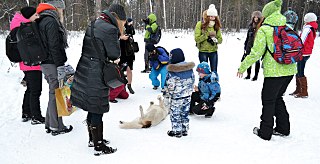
(99, 146)
(304, 88)
(298, 87)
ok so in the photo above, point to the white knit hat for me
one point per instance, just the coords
(310, 17)
(212, 11)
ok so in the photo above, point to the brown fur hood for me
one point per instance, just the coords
(180, 67)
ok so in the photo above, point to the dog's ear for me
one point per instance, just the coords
(151, 102)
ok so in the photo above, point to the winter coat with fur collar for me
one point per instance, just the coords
(180, 80)
(209, 86)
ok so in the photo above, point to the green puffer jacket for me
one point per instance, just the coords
(201, 39)
(264, 37)
(152, 26)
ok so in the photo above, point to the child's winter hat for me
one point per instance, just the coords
(150, 47)
(45, 6)
(119, 10)
(256, 14)
(212, 11)
(27, 12)
(129, 20)
(271, 7)
(203, 68)
(177, 56)
(57, 3)
(310, 17)
(291, 16)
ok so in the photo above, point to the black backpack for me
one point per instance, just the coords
(12, 51)
(30, 45)
(156, 36)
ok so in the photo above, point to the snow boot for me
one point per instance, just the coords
(174, 134)
(130, 89)
(26, 117)
(210, 112)
(298, 87)
(99, 146)
(274, 132)
(37, 120)
(304, 88)
(90, 143)
(67, 129)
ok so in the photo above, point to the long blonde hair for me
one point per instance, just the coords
(119, 22)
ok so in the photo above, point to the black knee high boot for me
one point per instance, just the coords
(99, 146)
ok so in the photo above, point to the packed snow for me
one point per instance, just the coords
(225, 138)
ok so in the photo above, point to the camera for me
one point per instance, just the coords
(146, 21)
(210, 41)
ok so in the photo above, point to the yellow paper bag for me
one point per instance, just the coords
(64, 106)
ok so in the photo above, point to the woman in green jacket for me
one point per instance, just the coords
(276, 76)
(207, 36)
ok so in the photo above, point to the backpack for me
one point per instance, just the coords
(12, 51)
(30, 45)
(287, 45)
(156, 36)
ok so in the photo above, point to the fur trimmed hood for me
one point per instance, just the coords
(180, 67)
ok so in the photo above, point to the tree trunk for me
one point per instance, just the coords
(164, 14)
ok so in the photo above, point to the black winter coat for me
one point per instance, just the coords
(248, 44)
(127, 53)
(53, 40)
(89, 91)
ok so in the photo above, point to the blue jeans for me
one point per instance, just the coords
(301, 65)
(213, 57)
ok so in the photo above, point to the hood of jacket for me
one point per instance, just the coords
(17, 20)
(152, 18)
(180, 67)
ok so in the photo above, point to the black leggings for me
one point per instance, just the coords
(94, 119)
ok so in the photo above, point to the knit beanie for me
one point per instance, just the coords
(291, 17)
(271, 7)
(256, 14)
(310, 17)
(150, 47)
(119, 10)
(177, 56)
(203, 68)
(27, 12)
(45, 6)
(212, 11)
(129, 20)
(57, 3)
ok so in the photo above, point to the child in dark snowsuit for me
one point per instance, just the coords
(206, 93)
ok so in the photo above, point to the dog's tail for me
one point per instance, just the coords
(130, 125)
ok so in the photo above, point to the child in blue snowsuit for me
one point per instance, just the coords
(159, 59)
(207, 92)
(179, 86)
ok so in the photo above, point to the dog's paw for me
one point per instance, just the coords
(159, 97)
(121, 122)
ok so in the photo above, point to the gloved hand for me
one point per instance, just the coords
(210, 40)
(61, 75)
(214, 39)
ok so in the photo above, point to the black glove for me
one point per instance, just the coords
(210, 41)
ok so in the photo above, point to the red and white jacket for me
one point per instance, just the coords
(308, 36)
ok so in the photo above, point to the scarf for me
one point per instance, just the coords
(212, 23)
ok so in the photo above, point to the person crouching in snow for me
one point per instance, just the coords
(179, 85)
(206, 93)
(158, 60)
(119, 92)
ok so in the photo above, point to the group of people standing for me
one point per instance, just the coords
(276, 76)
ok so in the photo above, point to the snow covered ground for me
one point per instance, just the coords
(225, 138)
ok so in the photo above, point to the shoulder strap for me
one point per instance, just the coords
(94, 41)
(267, 48)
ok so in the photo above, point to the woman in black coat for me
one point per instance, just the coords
(89, 92)
(248, 44)
(127, 53)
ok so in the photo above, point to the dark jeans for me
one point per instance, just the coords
(301, 65)
(31, 100)
(94, 119)
(274, 106)
(257, 67)
(213, 57)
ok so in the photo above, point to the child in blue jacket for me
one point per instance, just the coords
(206, 93)
(159, 59)
(179, 86)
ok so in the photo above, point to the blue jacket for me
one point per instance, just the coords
(161, 58)
(209, 86)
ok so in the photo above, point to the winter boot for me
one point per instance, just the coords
(174, 134)
(274, 132)
(298, 87)
(90, 143)
(146, 68)
(248, 73)
(304, 88)
(26, 117)
(210, 112)
(130, 89)
(99, 146)
(37, 120)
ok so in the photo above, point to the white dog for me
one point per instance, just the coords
(155, 114)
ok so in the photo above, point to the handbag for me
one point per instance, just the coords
(135, 47)
(64, 106)
(112, 74)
